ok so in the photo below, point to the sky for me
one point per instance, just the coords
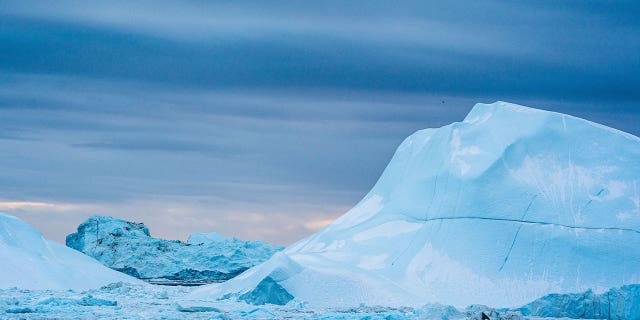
(269, 119)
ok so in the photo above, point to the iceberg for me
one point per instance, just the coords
(29, 261)
(128, 247)
(507, 206)
(617, 303)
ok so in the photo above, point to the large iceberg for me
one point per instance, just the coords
(128, 247)
(29, 261)
(509, 205)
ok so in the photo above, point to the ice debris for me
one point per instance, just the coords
(19, 310)
(143, 302)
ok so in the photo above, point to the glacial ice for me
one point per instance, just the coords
(128, 247)
(507, 206)
(29, 261)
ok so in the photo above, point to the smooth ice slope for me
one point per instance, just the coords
(29, 261)
(507, 206)
(128, 247)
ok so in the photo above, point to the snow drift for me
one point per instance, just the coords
(29, 261)
(507, 206)
(128, 247)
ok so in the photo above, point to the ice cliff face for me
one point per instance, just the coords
(29, 261)
(507, 206)
(128, 247)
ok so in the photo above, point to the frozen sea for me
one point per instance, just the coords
(146, 301)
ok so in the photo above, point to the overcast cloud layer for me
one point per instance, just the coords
(265, 120)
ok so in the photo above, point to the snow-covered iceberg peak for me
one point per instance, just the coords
(29, 261)
(502, 208)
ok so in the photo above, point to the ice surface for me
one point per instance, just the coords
(507, 206)
(128, 247)
(29, 261)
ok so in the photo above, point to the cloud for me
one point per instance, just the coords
(443, 47)
(196, 157)
(182, 158)
(270, 119)
(316, 225)
(175, 217)
(488, 26)
(202, 22)
(32, 205)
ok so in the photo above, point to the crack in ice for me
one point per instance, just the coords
(527, 222)
(515, 237)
